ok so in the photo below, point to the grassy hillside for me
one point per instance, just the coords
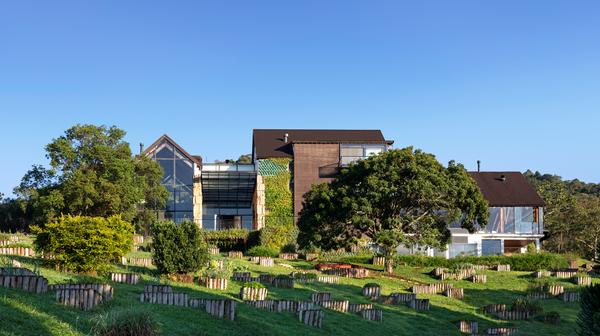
(23, 313)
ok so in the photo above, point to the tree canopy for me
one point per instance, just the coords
(401, 196)
(571, 215)
(92, 173)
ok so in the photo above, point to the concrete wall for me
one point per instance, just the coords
(258, 203)
(197, 201)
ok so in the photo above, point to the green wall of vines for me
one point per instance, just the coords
(280, 228)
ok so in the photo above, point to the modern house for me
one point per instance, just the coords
(232, 195)
(516, 219)
(287, 162)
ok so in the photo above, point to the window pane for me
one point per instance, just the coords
(351, 151)
(164, 151)
(184, 172)
(373, 150)
(183, 198)
(509, 220)
(167, 167)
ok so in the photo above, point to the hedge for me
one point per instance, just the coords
(517, 262)
(228, 240)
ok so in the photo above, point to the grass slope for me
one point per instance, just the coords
(23, 313)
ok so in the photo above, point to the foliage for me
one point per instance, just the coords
(263, 251)
(214, 271)
(92, 173)
(126, 323)
(525, 305)
(178, 248)
(571, 215)
(361, 257)
(280, 228)
(517, 262)
(589, 315)
(253, 284)
(227, 240)
(402, 196)
(245, 159)
(85, 244)
(372, 284)
(13, 216)
(289, 248)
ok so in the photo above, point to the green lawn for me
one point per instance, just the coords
(23, 313)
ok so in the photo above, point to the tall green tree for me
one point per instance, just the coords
(92, 173)
(401, 196)
(587, 219)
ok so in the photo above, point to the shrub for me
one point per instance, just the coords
(517, 262)
(85, 244)
(253, 284)
(526, 305)
(215, 272)
(372, 284)
(227, 240)
(263, 251)
(178, 248)
(289, 248)
(361, 257)
(125, 323)
(588, 319)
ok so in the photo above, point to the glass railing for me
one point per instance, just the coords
(228, 167)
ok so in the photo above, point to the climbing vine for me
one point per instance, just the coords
(280, 229)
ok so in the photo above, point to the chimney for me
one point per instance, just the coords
(285, 137)
(478, 166)
(141, 148)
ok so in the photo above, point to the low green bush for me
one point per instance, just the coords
(526, 305)
(126, 323)
(227, 240)
(253, 284)
(372, 284)
(85, 244)
(214, 271)
(361, 257)
(517, 262)
(178, 248)
(263, 251)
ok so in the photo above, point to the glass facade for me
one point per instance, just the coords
(353, 152)
(178, 176)
(227, 192)
(515, 220)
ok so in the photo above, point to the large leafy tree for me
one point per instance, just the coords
(587, 217)
(401, 196)
(92, 173)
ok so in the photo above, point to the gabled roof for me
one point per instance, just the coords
(507, 189)
(269, 143)
(194, 158)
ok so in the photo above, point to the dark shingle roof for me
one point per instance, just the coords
(510, 191)
(268, 143)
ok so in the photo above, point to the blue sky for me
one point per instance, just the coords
(515, 84)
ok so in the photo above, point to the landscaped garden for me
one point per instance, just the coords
(28, 313)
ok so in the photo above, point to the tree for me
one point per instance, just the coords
(245, 158)
(588, 319)
(93, 173)
(402, 196)
(587, 217)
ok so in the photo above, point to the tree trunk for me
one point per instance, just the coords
(389, 264)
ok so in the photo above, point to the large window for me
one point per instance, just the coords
(515, 220)
(178, 175)
(353, 152)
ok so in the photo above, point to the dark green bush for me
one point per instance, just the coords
(263, 251)
(289, 248)
(372, 284)
(85, 244)
(178, 248)
(588, 319)
(126, 323)
(517, 262)
(526, 305)
(227, 240)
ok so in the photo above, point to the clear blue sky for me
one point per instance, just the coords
(515, 84)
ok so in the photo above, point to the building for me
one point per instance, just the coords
(516, 219)
(232, 195)
(287, 162)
